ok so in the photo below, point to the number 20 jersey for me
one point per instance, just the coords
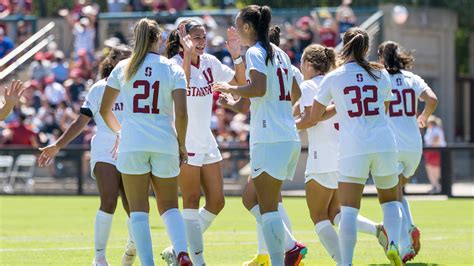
(148, 115)
(271, 115)
(407, 88)
(359, 99)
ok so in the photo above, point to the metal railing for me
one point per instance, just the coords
(41, 34)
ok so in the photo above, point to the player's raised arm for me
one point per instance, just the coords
(12, 96)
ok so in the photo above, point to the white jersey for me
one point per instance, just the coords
(359, 100)
(323, 138)
(271, 115)
(407, 88)
(199, 137)
(298, 75)
(104, 139)
(148, 115)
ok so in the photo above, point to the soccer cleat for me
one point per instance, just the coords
(294, 256)
(184, 260)
(129, 255)
(393, 255)
(382, 237)
(415, 238)
(408, 254)
(258, 260)
(169, 256)
(100, 262)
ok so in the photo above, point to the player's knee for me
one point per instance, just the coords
(167, 204)
(216, 205)
(192, 201)
(318, 217)
(332, 213)
(108, 205)
(248, 202)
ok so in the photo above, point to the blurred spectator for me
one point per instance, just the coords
(83, 65)
(40, 68)
(54, 92)
(5, 8)
(23, 7)
(303, 33)
(75, 85)
(434, 137)
(59, 68)
(345, 16)
(20, 133)
(6, 44)
(22, 32)
(84, 34)
(328, 30)
(116, 5)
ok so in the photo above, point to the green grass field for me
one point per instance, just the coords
(59, 231)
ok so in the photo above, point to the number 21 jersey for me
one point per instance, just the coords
(359, 99)
(147, 120)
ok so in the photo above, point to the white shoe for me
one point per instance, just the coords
(169, 256)
(129, 255)
(100, 262)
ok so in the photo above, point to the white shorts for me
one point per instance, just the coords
(200, 159)
(95, 161)
(276, 159)
(408, 163)
(328, 180)
(159, 164)
(383, 167)
(102, 156)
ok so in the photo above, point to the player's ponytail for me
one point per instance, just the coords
(356, 47)
(146, 33)
(259, 18)
(321, 58)
(395, 58)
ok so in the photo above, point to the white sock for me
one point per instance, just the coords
(194, 235)
(406, 208)
(274, 232)
(262, 246)
(405, 238)
(176, 231)
(140, 225)
(103, 223)
(364, 225)
(284, 216)
(348, 233)
(130, 236)
(205, 218)
(329, 239)
(392, 221)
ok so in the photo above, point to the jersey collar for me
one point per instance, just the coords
(194, 65)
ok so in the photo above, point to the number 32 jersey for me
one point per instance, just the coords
(407, 88)
(271, 115)
(359, 99)
(148, 116)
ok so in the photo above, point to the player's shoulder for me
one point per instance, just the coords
(309, 84)
(177, 59)
(98, 86)
(257, 49)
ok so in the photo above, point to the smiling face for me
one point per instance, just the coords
(198, 37)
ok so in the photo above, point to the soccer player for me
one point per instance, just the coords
(185, 47)
(408, 88)
(109, 181)
(322, 175)
(271, 90)
(12, 96)
(151, 148)
(361, 91)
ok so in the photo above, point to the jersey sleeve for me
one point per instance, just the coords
(297, 74)
(179, 77)
(223, 73)
(255, 59)
(113, 80)
(419, 85)
(92, 101)
(307, 95)
(323, 96)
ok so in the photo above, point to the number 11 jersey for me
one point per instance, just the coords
(359, 99)
(148, 115)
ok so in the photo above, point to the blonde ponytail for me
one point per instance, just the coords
(146, 33)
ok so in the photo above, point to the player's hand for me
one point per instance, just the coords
(233, 43)
(47, 155)
(183, 155)
(223, 87)
(115, 148)
(185, 39)
(13, 94)
(225, 100)
(422, 121)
